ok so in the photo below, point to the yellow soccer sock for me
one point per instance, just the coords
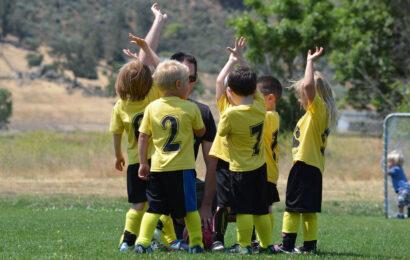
(290, 222)
(193, 225)
(310, 226)
(264, 229)
(244, 227)
(168, 232)
(148, 224)
(133, 220)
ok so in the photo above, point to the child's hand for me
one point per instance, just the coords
(157, 12)
(143, 171)
(138, 41)
(119, 163)
(130, 54)
(237, 52)
(313, 56)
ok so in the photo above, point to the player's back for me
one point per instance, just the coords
(270, 138)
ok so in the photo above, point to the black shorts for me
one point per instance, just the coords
(172, 193)
(304, 189)
(223, 184)
(136, 187)
(249, 192)
(272, 194)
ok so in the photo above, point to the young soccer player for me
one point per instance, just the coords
(399, 181)
(133, 85)
(304, 187)
(271, 90)
(171, 122)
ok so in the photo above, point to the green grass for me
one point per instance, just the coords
(89, 227)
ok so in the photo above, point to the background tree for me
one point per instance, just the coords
(6, 107)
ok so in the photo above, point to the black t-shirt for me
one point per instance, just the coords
(209, 123)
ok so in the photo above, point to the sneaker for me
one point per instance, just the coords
(270, 250)
(281, 249)
(196, 250)
(179, 245)
(124, 247)
(306, 251)
(217, 246)
(140, 249)
(255, 245)
(400, 216)
(237, 249)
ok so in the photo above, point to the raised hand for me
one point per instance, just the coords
(130, 54)
(313, 56)
(237, 52)
(138, 41)
(157, 12)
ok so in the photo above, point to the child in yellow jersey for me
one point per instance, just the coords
(271, 89)
(171, 122)
(304, 187)
(133, 85)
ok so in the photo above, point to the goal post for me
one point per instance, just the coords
(396, 136)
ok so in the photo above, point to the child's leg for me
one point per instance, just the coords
(244, 227)
(133, 222)
(148, 224)
(220, 223)
(310, 230)
(168, 232)
(193, 225)
(264, 229)
(290, 229)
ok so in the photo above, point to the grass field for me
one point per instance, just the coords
(89, 227)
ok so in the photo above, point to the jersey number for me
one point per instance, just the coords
(324, 137)
(170, 145)
(257, 130)
(274, 143)
(136, 122)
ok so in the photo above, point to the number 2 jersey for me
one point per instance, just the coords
(270, 139)
(126, 116)
(170, 122)
(243, 127)
(310, 135)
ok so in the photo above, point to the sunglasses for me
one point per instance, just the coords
(192, 79)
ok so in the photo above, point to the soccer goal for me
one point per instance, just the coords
(396, 135)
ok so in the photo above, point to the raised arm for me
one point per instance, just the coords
(151, 58)
(309, 80)
(235, 57)
(154, 33)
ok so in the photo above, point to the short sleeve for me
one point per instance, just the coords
(222, 103)
(224, 126)
(317, 107)
(210, 126)
(197, 123)
(116, 124)
(154, 93)
(145, 126)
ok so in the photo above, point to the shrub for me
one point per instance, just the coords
(6, 107)
(34, 59)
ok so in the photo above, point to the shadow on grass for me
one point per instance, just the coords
(349, 254)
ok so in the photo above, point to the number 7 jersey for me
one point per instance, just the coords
(170, 122)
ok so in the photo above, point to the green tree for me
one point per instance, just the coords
(6, 107)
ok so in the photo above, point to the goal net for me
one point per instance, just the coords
(396, 134)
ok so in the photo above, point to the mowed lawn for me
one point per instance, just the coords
(89, 227)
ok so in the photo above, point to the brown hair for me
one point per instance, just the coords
(134, 81)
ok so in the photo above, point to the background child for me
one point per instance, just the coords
(171, 122)
(271, 89)
(134, 86)
(304, 186)
(399, 181)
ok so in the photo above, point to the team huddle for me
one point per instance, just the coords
(165, 129)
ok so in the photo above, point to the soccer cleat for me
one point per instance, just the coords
(124, 247)
(270, 250)
(179, 245)
(281, 249)
(196, 250)
(237, 249)
(305, 250)
(140, 249)
(217, 246)
(255, 245)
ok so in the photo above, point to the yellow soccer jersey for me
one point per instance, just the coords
(170, 122)
(243, 127)
(270, 139)
(126, 116)
(310, 135)
(219, 146)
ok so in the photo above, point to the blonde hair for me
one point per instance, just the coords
(324, 90)
(168, 72)
(134, 81)
(396, 156)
